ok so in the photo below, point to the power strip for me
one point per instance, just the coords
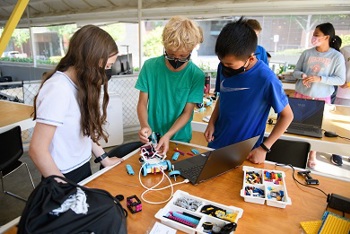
(338, 202)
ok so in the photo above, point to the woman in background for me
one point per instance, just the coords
(319, 69)
(67, 108)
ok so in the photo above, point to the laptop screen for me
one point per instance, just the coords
(307, 111)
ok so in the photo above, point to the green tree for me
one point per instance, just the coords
(20, 36)
(64, 33)
(309, 23)
(345, 40)
(153, 45)
(117, 31)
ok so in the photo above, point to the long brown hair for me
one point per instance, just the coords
(88, 52)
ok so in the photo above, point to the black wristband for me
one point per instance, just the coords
(99, 159)
(262, 145)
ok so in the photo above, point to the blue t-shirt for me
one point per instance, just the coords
(261, 54)
(245, 102)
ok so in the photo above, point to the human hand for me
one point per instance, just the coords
(209, 131)
(311, 79)
(144, 133)
(163, 145)
(257, 155)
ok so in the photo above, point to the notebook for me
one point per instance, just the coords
(308, 116)
(204, 166)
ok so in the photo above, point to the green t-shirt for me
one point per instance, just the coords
(168, 94)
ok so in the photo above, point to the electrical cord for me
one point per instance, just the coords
(308, 186)
(153, 188)
(346, 138)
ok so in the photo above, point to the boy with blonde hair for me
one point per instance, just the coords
(170, 85)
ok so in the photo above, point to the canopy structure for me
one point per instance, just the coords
(55, 12)
(36, 13)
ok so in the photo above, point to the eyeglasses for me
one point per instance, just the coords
(177, 59)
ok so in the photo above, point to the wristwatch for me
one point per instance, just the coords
(262, 145)
(100, 158)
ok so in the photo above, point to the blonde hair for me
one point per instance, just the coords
(181, 33)
(254, 24)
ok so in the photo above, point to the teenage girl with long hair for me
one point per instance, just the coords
(69, 118)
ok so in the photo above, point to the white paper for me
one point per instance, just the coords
(159, 228)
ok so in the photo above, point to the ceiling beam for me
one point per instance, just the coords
(164, 9)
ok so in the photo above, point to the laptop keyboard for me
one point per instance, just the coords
(304, 128)
(193, 172)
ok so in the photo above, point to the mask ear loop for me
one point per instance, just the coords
(245, 67)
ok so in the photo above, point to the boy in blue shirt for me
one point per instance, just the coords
(248, 89)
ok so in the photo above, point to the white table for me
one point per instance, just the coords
(335, 118)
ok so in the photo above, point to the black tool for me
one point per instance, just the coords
(339, 202)
(330, 134)
(309, 180)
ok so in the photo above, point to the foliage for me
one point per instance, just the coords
(153, 45)
(117, 31)
(20, 36)
(19, 60)
(345, 40)
(28, 60)
(55, 59)
(66, 30)
(64, 33)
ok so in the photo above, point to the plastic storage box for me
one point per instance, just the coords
(194, 214)
(260, 185)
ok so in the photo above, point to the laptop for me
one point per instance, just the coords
(204, 166)
(308, 116)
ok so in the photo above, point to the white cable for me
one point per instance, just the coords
(153, 188)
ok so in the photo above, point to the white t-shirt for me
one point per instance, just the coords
(57, 105)
(345, 93)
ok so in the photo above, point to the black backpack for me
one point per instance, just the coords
(104, 215)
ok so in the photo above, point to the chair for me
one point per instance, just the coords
(290, 152)
(124, 149)
(11, 149)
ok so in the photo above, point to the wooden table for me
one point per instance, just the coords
(13, 113)
(335, 118)
(307, 204)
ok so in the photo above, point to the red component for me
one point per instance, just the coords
(177, 150)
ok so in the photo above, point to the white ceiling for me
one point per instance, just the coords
(54, 12)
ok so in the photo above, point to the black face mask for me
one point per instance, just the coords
(176, 63)
(228, 72)
(108, 73)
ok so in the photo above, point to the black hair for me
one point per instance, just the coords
(237, 39)
(328, 30)
(268, 54)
